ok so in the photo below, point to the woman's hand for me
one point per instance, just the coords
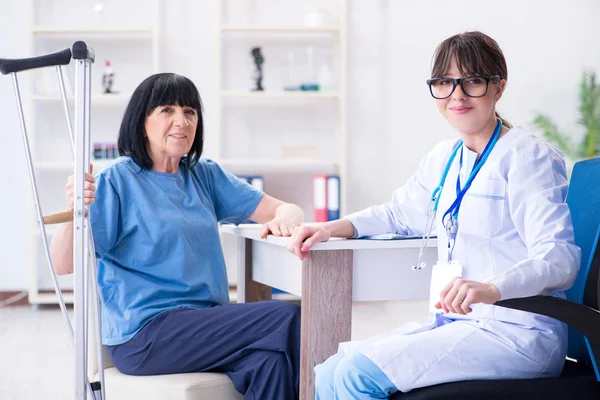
(277, 227)
(89, 189)
(304, 237)
(458, 295)
(287, 218)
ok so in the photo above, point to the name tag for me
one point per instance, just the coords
(441, 274)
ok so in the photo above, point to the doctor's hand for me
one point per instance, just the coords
(458, 295)
(304, 237)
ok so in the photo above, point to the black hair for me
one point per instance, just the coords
(158, 90)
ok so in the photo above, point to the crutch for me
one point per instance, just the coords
(83, 247)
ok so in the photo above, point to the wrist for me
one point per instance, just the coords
(326, 227)
(495, 292)
(341, 228)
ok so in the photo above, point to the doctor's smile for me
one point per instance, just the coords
(461, 110)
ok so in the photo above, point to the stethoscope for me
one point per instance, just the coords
(451, 223)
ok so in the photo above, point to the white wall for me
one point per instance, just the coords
(15, 208)
(392, 120)
(547, 44)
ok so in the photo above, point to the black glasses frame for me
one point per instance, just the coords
(459, 81)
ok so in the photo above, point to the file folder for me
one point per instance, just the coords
(255, 180)
(258, 182)
(333, 197)
(320, 198)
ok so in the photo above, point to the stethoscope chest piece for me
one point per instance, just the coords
(452, 228)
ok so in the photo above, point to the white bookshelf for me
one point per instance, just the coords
(270, 165)
(299, 133)
(116, 99)
(49, 298)
(229, 98)
(233, 296)
(280, 95)
(127, 34)
(41, 30)
(99, 165)
(281, 29)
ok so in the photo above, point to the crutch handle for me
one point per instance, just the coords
(62, 57)
(59, 218)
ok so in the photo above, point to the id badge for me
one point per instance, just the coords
(441, 274)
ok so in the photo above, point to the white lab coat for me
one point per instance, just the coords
(515, 231)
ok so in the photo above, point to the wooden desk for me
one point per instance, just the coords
(338, 272)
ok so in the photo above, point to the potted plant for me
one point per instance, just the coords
(589, 118)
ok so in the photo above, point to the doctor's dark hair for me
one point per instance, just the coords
(475, 54)
(164, 89)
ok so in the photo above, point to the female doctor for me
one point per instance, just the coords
(504, 231)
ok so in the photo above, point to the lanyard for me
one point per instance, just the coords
(460, 193)
(452, 212)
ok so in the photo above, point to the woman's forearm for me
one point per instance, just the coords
(61, 249)
(341, 228)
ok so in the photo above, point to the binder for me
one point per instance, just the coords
(333, 197)
(255, 180)
(243, 178)
(258, 182)
(320, 198)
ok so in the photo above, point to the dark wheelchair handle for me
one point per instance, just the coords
(8, 66)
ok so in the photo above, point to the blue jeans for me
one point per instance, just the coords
(351, 376)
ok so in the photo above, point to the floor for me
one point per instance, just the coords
(37, 356)
(36, 353)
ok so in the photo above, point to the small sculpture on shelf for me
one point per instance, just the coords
(108, 78)
(258, 62)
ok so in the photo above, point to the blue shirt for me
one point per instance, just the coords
(157, 240)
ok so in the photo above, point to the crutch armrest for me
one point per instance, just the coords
(8, 66)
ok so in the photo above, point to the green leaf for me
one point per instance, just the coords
(589, 114)
(589, 118)
(553, 135)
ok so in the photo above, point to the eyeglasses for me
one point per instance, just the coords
(472, 86)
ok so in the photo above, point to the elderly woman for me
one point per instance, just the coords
(161, 271)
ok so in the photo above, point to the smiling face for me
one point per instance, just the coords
(163, 124)
(170, 131)
(470, 115)
(464, 55)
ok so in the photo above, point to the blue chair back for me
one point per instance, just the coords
(583, 198)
